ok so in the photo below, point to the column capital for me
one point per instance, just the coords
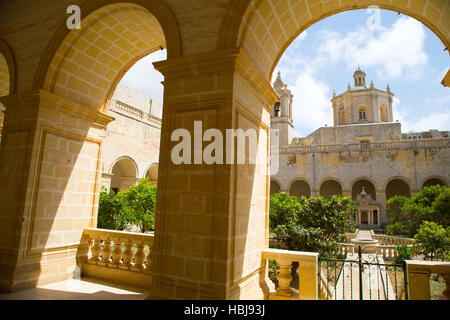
(227, 60)
(49, 101)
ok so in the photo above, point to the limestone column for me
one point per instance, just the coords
(49, 185)
(212, 220)
(381, 199)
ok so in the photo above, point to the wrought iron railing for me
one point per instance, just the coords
(362, 277)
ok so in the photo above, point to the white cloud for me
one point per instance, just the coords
(143, 77)
(311, 104)
(435, 120)
(395, 52)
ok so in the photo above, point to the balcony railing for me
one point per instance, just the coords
(133, 112)
(308, 268)
(117, 256)
(419, 278)
(390, 240)
(391, 145)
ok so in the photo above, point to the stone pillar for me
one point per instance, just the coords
(49, 185)
(382, 214)
(308, 280)
(212, 220)
(418, 281)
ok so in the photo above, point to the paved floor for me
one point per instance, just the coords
(78, 289)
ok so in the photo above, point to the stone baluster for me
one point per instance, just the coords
(139, 257)
(96, 249)
(446, 292)
(284, 278)
(128, 254)
(106, 252)
(117, 253)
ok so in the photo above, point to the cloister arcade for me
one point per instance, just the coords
(211, 221)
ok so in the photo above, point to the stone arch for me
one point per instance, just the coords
(275, 186)
(397, 186)
(434, 180)
(124, 173)
(152, 173)
(368, 184)
(264, 29)
(361, 113)
(7, 70)
(86, 65)
(300, 187)
(329, 187)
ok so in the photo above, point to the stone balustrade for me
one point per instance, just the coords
(418, 275)
(308, 268)
(135, 113)
(117, 256)
(390, 240)
(391, 145)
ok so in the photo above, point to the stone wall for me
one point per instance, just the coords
(414, 166)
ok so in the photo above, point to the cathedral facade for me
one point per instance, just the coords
(364, 155)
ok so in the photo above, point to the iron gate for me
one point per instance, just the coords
(362, 276)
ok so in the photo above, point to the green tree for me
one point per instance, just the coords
(311, 224)
(432, 203)
(140, 203)
(283, 209)
(394, 207)
(396, 229)
(433, 240)
(111, 213)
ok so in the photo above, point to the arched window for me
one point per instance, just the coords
(362, 115)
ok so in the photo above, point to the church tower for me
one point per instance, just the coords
(361, 104)
(281, 113)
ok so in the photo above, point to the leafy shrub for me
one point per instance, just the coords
(433, 240)
(135, 206)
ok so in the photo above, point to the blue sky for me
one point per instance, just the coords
(390, 48)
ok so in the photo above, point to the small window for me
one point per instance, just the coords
(362, 115)
(365, 141)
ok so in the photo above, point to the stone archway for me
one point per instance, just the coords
(152, 174)
(58, 178)
(397, 187)
(300, 188)
(434, 181)
(123, 174)
(274, 187)
(264, 30)
(330, 187)
(369, 188)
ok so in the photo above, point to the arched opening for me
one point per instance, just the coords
(124, 174)
(363, 189)
(300, 188)
(91, 61)
(362, 113)
(329, 188)
(152, 174)
(4, 87)
(397, 187)
(434, 182)
(274, 187)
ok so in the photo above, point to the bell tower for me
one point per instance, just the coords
(360, 78)
(281, 113)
